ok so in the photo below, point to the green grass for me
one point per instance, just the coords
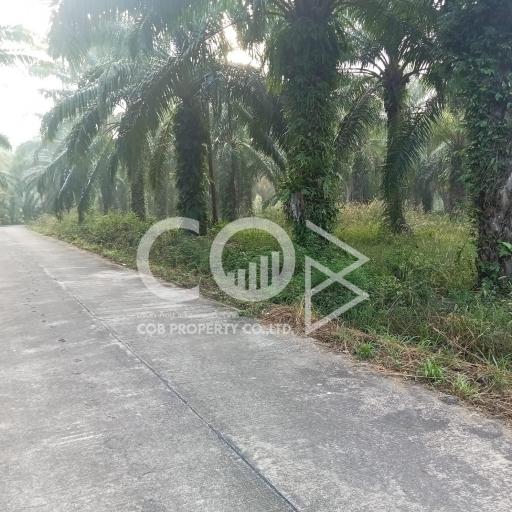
(432, 370)
(422, 286)
(365, 351)
(464, 387)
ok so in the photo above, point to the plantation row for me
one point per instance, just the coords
(404, 100)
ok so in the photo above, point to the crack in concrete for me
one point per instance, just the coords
(170, 387)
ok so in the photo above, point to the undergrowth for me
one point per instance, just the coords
(424, 319)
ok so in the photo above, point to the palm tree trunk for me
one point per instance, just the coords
(360, 190)
(211, 171)
(245, 189)
(427, 197)
(107, 189)
(230, 189)
(162, 197)
(190, 143)
(106, 200)
(393, 182)
(229, 205)
(456, 188)
(311, 78)
(495, 231)
(138, 203)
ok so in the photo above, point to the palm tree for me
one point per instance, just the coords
(79, 127)
(168, 107)
(178, 81)
(106, 73)
(476, 38)
(21, 201)
(428, 174)
(303, 51)
(366, 164)
(454, 145)
(239, 164)
(5, 159)
(395, 45)
(9, 56)
(442, 165)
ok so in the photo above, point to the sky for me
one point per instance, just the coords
(21, 103)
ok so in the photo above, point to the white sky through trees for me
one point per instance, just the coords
(21, 103)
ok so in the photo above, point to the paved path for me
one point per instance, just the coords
(98, 416)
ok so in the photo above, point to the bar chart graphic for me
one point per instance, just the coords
(261, 280)
(252, 280)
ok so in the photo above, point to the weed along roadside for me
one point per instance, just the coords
(424, 320)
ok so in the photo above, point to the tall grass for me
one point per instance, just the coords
(421, 285)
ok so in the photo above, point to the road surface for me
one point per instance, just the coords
(99, 412)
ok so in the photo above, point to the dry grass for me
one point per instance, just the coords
(425, 321)
(486, 387)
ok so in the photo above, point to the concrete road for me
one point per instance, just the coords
(99, 414)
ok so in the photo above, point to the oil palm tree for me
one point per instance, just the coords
(105, 71)
(176, 82)
(442, 165)
(80, 129)
(476, 38)
(304, 46)
(239, 164)
(395, 43)
(454, 145)
(366, 164)
(21, 201)
(167, 101)
(10, 55)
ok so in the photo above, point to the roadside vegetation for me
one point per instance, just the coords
(385, 122)
(424, 320)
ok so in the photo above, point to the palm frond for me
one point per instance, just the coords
(160, 151)
(147, 106)
(103, 89)
(75, 21)
(101, 172)
(12, 55)
(407, 144)
(8, 58)
(365, 111)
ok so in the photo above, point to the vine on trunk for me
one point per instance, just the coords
(478, 40)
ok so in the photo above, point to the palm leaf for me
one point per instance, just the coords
(16, 34)
(408, 143)
(101, 171)
(160, 151)
(365, 111)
